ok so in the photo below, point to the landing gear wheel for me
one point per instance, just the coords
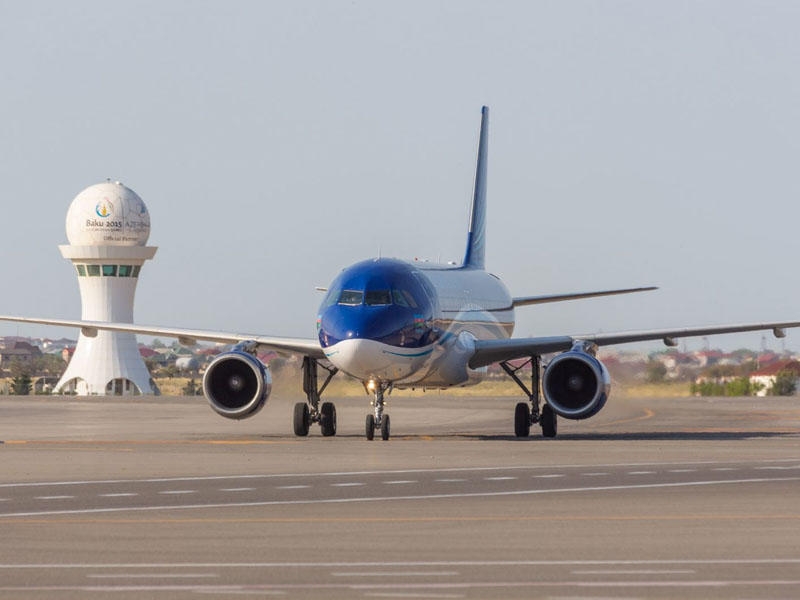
(327, 419)
(370, 427)
(549, 422)
(385, 427)
(302, 419)
(522, 420)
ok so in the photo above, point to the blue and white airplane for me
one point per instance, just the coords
(397, 324)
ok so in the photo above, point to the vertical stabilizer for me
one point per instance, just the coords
(476, 239)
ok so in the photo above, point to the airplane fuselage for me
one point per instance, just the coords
(391, 321)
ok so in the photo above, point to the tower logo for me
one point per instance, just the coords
(104, 208)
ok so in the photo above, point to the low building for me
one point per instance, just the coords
(766, 376)
(18, 350)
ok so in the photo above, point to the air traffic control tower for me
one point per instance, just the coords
(107, 227)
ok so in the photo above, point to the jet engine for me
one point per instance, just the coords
(575, 384)
(237, 384)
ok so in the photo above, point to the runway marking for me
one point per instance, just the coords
(777, 468)
(593, 474)
(242, 489)
(153, 576)
(533, 492)
(450, 480)
(292, 487)
(177, 492)
(400, 482)
(396, 574)
(346, 484)
(644, 562)
(411, 595)
(551, 476)
(636, 572)
(725, 469)
(54, 497)
(641, 472)
(119, 495)
(499, 478)
(750, 464)
(267, 588)
(648, 414)
(397, 520)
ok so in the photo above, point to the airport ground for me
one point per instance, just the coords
(160, 498)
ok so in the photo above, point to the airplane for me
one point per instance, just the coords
(397, 324)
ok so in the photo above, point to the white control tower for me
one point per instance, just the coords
(107, 227)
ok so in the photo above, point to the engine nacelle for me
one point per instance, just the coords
(237, 384)
(575, 384)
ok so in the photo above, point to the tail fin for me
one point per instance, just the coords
(476, 238)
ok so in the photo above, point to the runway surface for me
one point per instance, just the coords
(160, 498)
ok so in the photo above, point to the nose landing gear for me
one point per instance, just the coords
(379, 421)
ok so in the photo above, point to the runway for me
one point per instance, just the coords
(160, 498)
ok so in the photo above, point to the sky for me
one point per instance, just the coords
(276, 142)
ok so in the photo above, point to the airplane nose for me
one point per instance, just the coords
(393, 325)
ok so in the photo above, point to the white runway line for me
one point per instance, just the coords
(119, 495)
(54, 497)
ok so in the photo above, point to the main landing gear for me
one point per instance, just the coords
(379, 421)
(309, 412)
(524, 416)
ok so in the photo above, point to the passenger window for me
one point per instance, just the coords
(378, 297)
(351, 297)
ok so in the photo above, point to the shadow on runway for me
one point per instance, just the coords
(644, 436)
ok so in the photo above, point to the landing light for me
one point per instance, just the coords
(371, 385)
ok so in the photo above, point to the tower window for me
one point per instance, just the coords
(93, 270)
(81, 270)
(136, 271)
(109, 270)
(125, 270)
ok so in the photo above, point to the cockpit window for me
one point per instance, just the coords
(351, 297)
(403, 298)
(377, 297)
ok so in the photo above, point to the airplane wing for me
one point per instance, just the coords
(308, 347)
(492, 351)
(527, 300)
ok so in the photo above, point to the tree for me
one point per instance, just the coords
(785, 384)
(21, 385)
(21, 382)
(656, 371)
(192, 389)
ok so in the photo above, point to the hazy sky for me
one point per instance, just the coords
(274, 143)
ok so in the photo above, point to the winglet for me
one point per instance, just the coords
(476, 238)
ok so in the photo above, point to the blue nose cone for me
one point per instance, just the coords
(383, 300)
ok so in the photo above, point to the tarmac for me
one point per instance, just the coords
(160, 498)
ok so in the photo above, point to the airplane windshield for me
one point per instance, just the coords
(351, 297)
(377, 297)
